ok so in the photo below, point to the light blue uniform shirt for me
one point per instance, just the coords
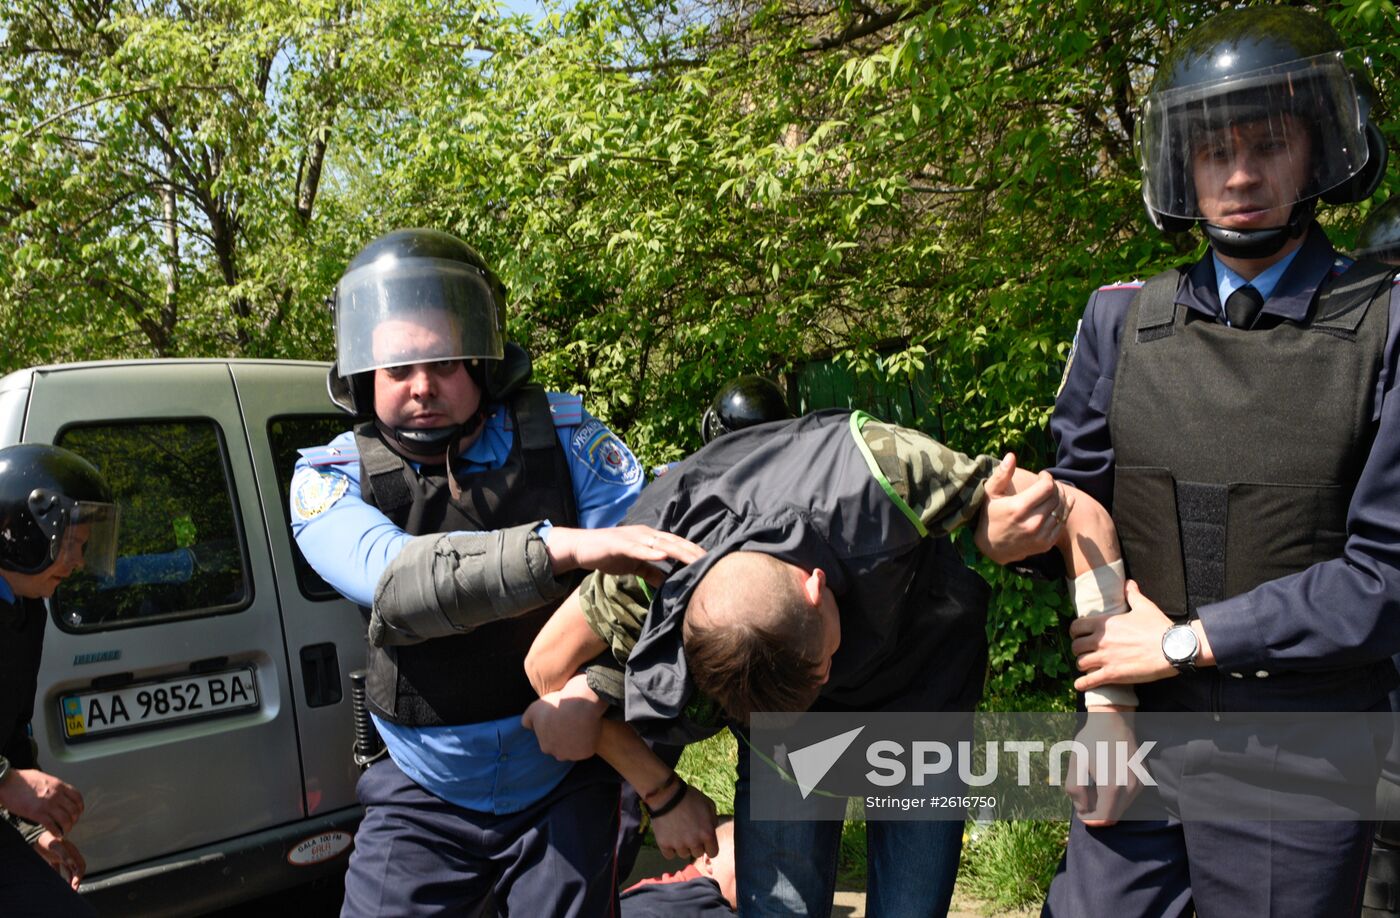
(497, 766)
(1227, 280)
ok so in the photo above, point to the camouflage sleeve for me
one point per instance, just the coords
(29, 830)
(943, 487)
(615, 608)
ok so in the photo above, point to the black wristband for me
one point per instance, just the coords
(671, 804)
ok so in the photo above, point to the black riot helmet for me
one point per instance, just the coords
(50, 499)
(743, 402)
(1267, 82)
(1380, 234)
(420, 296)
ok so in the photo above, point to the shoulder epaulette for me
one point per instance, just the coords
(1122, 285)
(334, 454)
(566, 409)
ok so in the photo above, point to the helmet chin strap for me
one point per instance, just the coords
(429, 443)
(1260, 243)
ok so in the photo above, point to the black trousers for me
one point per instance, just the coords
(1236, 866)
(416, 854)
(29, 887)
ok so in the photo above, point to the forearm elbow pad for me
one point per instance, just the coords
(447, 584)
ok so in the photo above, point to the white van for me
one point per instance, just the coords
(199, 698)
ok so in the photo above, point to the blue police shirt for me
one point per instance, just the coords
(1337, 613)
(6, 593)
(1228, 280)
(496, 766)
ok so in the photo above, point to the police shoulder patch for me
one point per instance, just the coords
(600, 449)
(315, 491)
(1069, 358)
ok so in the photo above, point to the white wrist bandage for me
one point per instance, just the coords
(1100, 592)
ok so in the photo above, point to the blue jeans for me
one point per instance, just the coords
(789, 868)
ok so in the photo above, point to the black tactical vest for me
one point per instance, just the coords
(1237, 451)
(480, 676)
(21, 643)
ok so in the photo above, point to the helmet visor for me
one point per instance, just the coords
(89, 540)
(1260, 140)
(397, 311)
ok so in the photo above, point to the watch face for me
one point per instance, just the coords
(1179, 644)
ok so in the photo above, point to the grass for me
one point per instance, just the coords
(1010, 864)
(710, 767)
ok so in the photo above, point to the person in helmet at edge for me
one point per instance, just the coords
(56, 515)
(456, 515)
(1379, 239)
(1261, 526)
(742, 402)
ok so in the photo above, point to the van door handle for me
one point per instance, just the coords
(320, 675)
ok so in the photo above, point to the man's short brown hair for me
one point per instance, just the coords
(753, 642)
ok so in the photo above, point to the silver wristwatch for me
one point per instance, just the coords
(1181, 646)
(4, 768)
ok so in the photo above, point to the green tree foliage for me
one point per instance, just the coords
(163, 167)
(923, 191)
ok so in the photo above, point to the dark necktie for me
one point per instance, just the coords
(1242, 306)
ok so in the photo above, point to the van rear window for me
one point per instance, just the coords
(180, 551)
(286, 435)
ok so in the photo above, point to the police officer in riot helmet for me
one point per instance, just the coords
(421, 296)
(56, 516)
(1274, 82)
(1179, 411)
(454, 515)
(743, 402)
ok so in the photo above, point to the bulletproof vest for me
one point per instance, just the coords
(479, 676)
(21, 643)
(1237, 451)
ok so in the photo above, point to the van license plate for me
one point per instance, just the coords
(146, 704)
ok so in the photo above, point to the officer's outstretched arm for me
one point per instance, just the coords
(440, 585)
(446, 584)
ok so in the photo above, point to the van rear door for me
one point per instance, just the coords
(286, 408)
(166, 695)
